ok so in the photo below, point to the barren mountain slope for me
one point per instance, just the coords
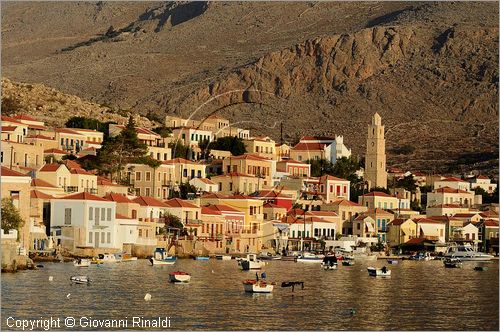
(430, 69)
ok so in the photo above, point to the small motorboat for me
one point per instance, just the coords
(258, 286)
(179, 276)
(329, 263)
(421, 256)
(452, 263)
(105, 258)
(392, 261)
(348, 262)
(383, 272)
(223, 257)
(80, 279)
(308, 257)
(160, 257)
(251, 263)
(201, 258)
(267, 256)
(81, 262)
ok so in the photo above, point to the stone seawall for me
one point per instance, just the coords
(11, 260)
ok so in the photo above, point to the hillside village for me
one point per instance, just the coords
(187, 194)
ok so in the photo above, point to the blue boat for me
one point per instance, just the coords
(201, 258)
(161, 257)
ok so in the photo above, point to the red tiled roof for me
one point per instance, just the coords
(80, 171)
(102, 181)
(464, 215)
(119, 198)
(214, 195)
(40, 195)
(207, 210)
(176, 203)
(344, 202)
(8, 128)
(250, 156)
(449, 190)
(55, 151)
(10, 119)
(149, 201)
(490, 223)
(273, 206)
(84, 196)
(309, 147)
(67, 131)
(482, 177)
(206, 181)
(51, 167)
(398, 221)
(33, 126)
(291, 161)
(240, 196)
(330, 177)
(449, 206)
(8, 172)
(416, 240)
(224, 208)
(272, 194)
(427, 221)
(41, 183)
(377, 193)
(295, 212)
(71, 164)
(322, 213)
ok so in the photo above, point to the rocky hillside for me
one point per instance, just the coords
(430, 69)
(55, 108)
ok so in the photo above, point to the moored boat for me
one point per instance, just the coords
(308, 257)
(392, 261)
(201, 258)
(257, 286)
(125, 257)
(348, 262)
(374, 272)
(481, 268)
(105, 258)
(329, 263)
(80, 279)
(223, 257)
(251, 263)
(466, 253)
(452, 263)
(160, 257)
(81, 262)
(179, 276)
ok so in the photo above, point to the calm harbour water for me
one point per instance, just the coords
(418, 296)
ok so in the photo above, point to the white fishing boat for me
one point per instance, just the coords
(105, 258)
(179, 276)
(80, 279)
(383, 272)
(308, 257)
(258, 286)
(223, 257)
(251, 263)
(329, 263)
(466, 253)
(81, 262)
(160, 257)
(452, 262)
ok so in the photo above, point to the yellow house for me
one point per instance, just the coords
(347, 211)
(148, 181)
(378, 200)
(230, 183)
(105, 186)
(44, 141)
(447, 195)
(56, 174)
(69, 140)
(400, 231)
(187, 212)
(47, 188)
(364, 226)
(16, 187)
(382, 219)
(445, 210)
(250, 164)
(21, 155)
(282, 151)
(261, 146)
(82, 181)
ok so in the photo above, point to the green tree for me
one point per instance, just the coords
(163, 131)
(120, 150)
(408, 183)
(233, 144)
(344, 167)
(11, 219)
(320, 167)
(88, 123)
(172, 221)
(180, 150)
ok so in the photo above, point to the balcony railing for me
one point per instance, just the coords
(71, 189)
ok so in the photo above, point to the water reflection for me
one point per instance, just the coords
(419, 295)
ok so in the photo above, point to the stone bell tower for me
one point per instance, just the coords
(375, 159)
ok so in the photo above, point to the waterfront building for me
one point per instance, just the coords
(187, 212)
(39, 218)
(375, 159)
(273, 212)
(400, 231)
(145, 180)
(363, 226)
(84, 224)
(431, 229)
(382, 219)
(16, 187)
(325, 224)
